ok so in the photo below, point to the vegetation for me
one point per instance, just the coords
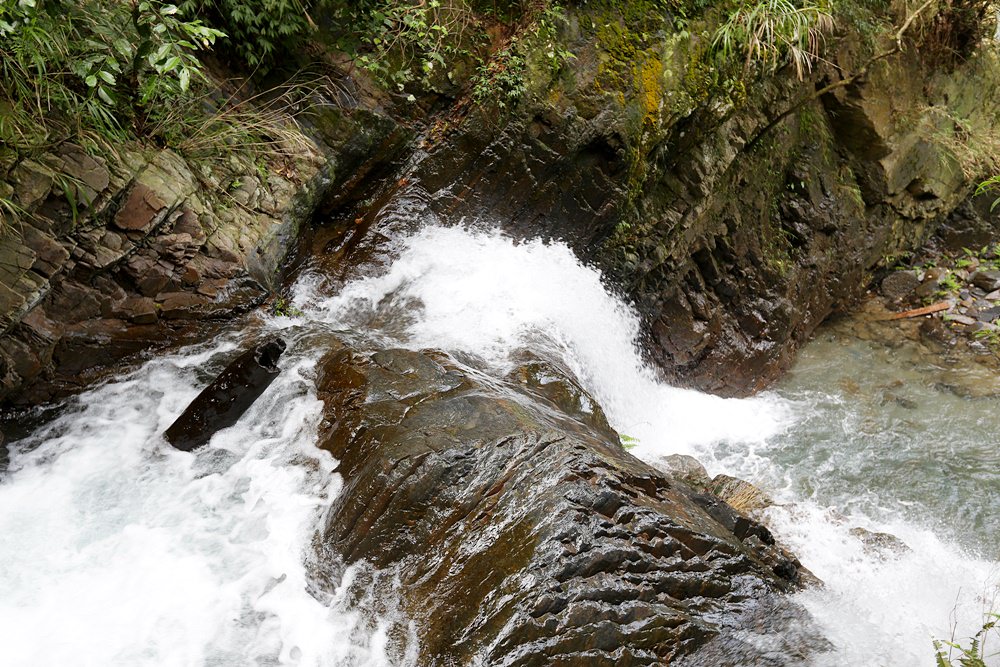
(953, 654)
(69, 67)
(766, 32)
(259, 30)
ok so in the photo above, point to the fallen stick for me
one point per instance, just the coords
(926, 310)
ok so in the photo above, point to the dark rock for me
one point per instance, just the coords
(181, 305)
(223, 402)
(986, 280)
(989, 314)
(140, 310)
(899, 285)
(525, 537)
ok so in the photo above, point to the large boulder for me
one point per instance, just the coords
(522, 533)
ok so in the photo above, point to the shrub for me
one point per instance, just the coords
(259, 30)
(769, 31)
(92, 64)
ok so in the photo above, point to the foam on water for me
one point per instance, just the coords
(119, 550)
(482, 294)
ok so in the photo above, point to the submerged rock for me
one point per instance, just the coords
(521, 535)
(223, 402)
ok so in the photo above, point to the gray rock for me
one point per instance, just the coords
(987, 280)
(686, 468)
(880, 544)
(989, 315)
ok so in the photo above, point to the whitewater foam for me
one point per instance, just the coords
(119, 550)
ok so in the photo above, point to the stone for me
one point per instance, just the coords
(686, 468)
(140, 209)
(225, 399)
(960, 319)
(32, 183)
(740, 494)
(899, 285)
(74, 302)
(988, 281)
(993, 296)
(884, 545)
(989, 314)
(518, 527)
(89, 173)
(137, 309)
(180, 305)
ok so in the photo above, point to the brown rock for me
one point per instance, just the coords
(138, 309)
(139, 209)
(181, 305)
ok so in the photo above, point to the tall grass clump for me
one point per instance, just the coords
(768, 33)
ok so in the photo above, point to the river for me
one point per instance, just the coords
(119, 550)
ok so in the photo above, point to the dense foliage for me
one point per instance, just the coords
(72, 66)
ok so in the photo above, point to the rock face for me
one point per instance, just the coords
(734, 237)
(523, 534)
(113, 258)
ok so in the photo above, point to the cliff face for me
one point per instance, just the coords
(113, 255)
(734, 235)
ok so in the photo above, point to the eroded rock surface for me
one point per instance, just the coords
(523, 534)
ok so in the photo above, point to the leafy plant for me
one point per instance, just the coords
(628, 442)
(282, 307)
(259, 30)
(973, 655)
(412, 39)
(990, 185)
(91, 64)
(768, 31)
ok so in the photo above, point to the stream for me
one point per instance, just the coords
(119, 550)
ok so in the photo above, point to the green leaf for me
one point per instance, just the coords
(91, 81)
(107, 76)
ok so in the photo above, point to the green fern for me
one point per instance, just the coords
(953, 654)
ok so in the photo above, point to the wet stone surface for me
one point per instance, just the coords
(523, 534)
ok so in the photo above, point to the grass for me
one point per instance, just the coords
(766, 32)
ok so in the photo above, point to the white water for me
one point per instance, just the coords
(118, 550)
(484, 295)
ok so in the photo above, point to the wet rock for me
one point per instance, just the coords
(880, 544)
(989, 314)
(223, 402)
(686, 468)
(181, 305)
(524, 537)
(899, 285)
(740, 494)
(987, 281)
(140, 310)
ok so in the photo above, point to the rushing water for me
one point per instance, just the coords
(118, 550)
